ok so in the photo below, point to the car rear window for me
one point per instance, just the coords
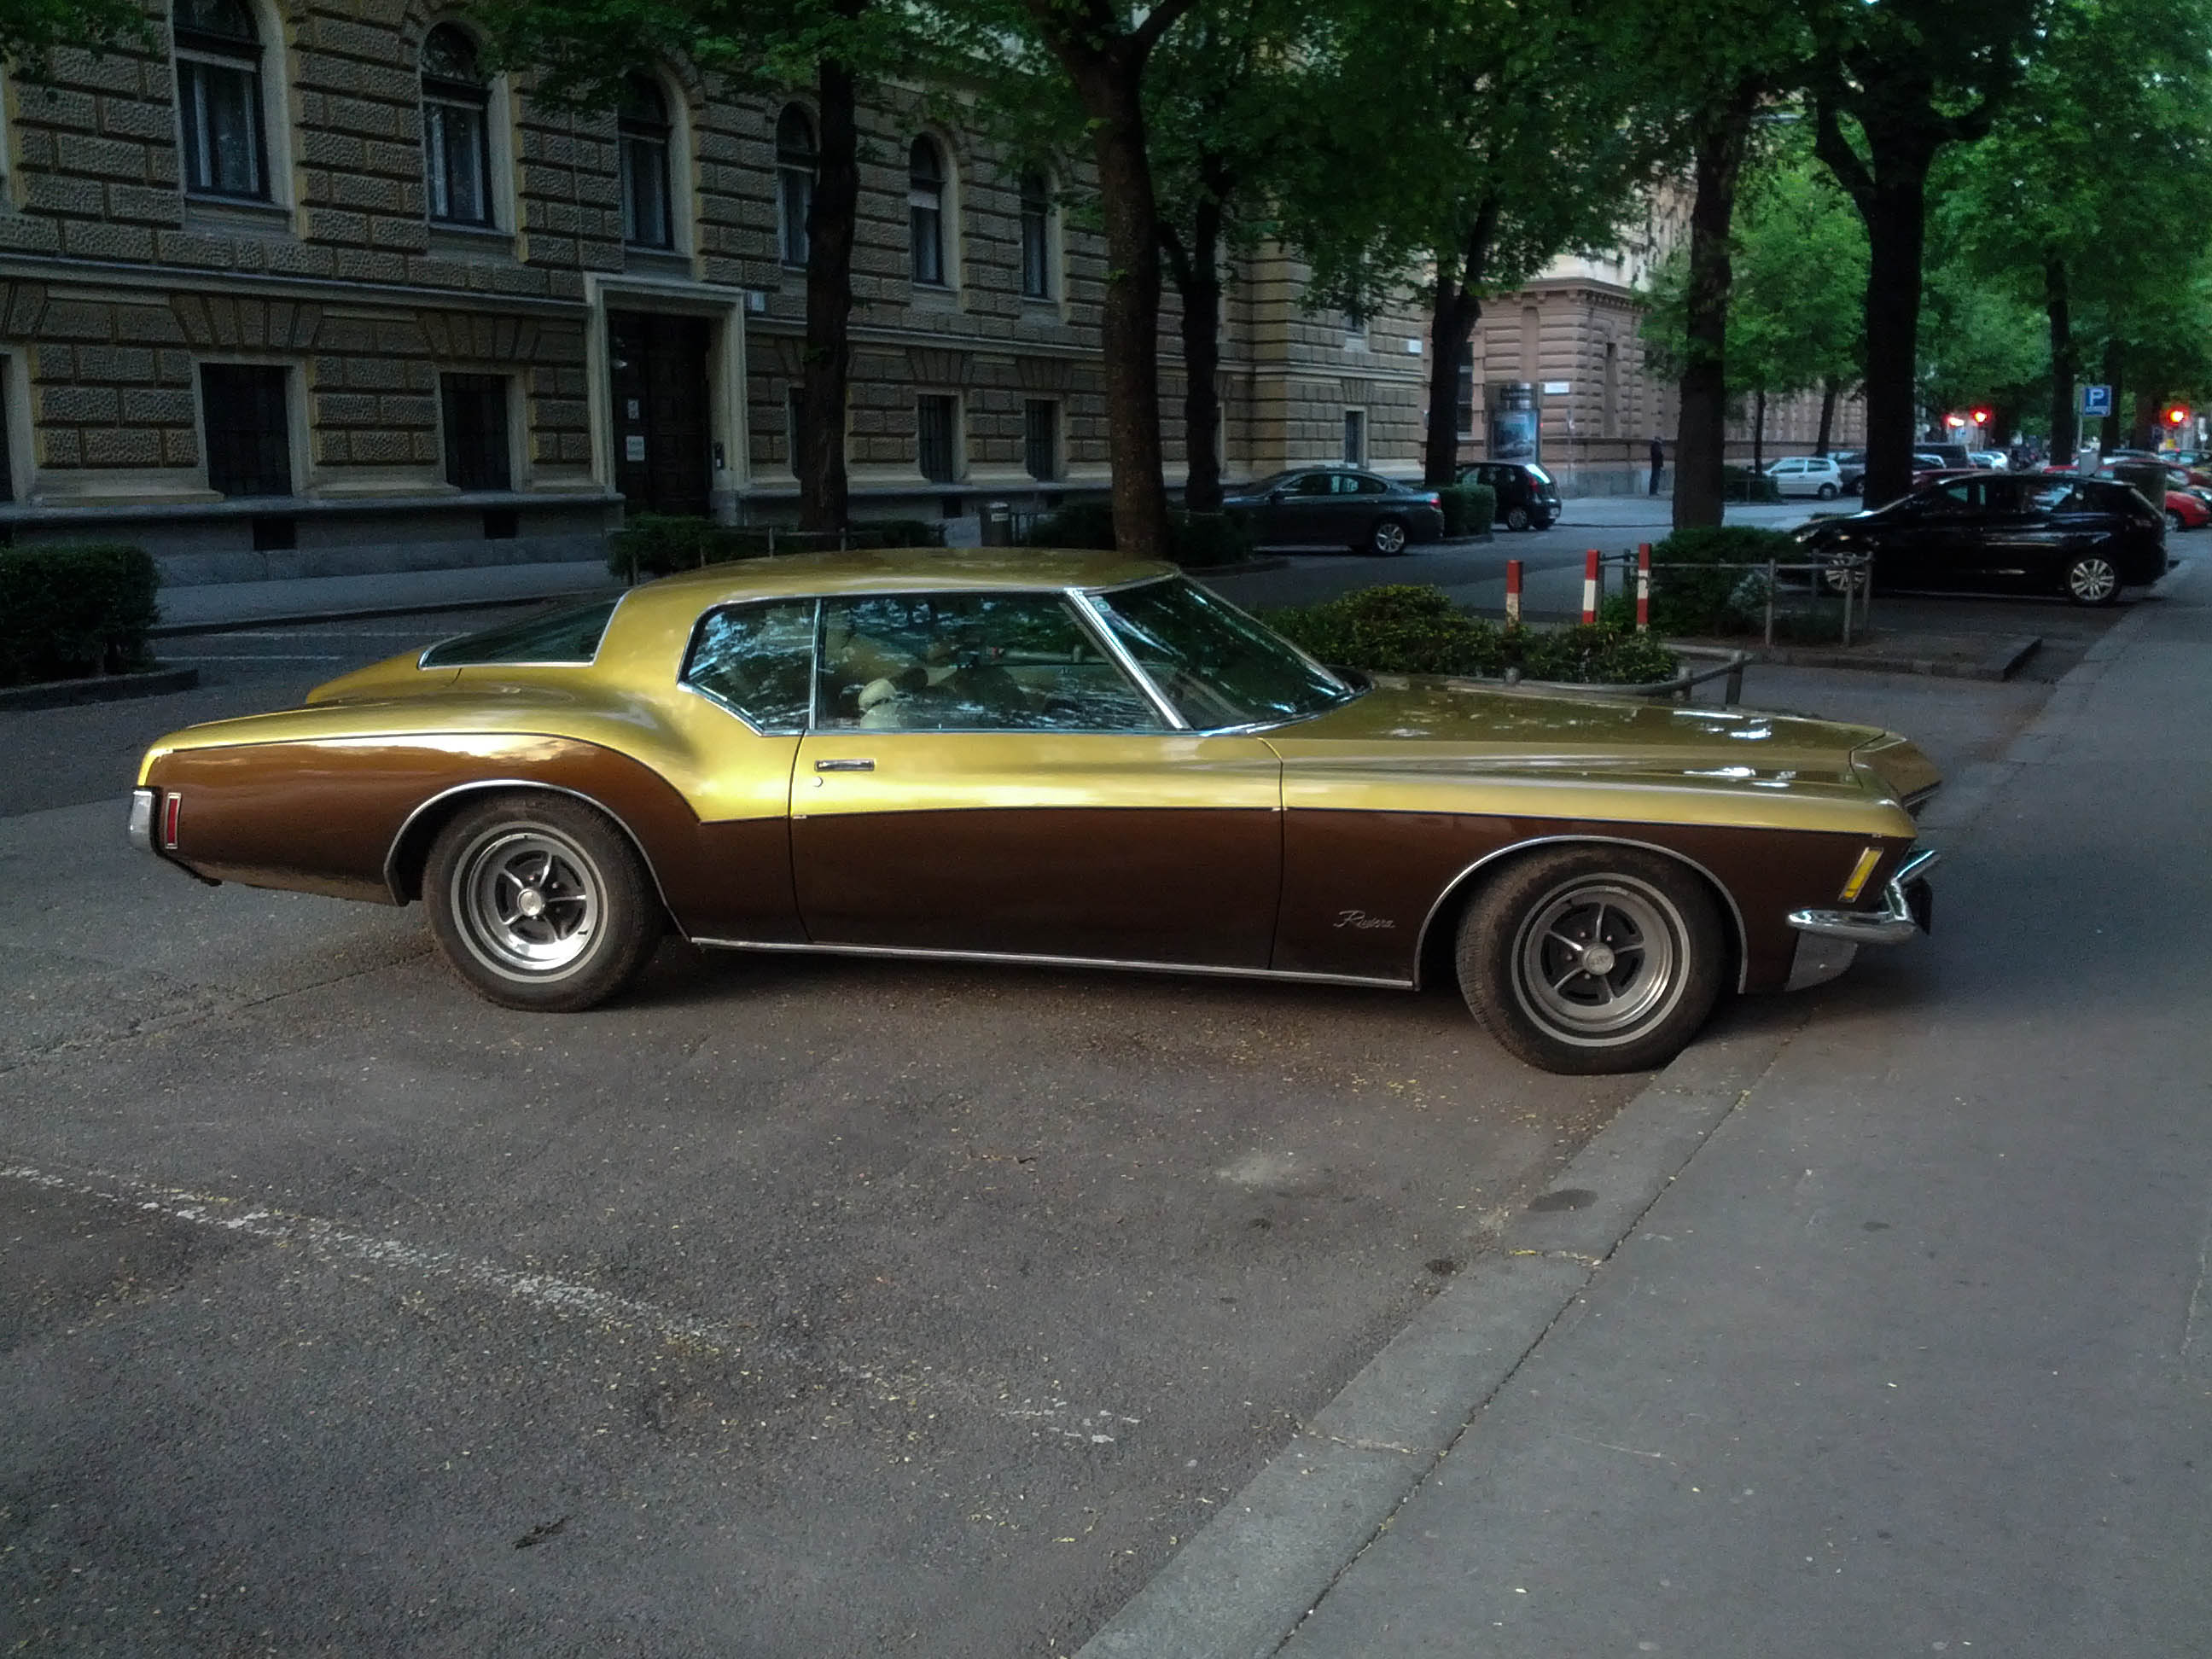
(570, 634)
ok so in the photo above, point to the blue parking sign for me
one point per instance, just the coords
(2096, 400)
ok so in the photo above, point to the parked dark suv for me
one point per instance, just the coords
(1526, 497)
(2079, 536)
(1339, 507)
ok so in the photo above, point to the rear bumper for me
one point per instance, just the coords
(1904, 911)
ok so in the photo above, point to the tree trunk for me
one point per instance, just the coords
(1701, 439)
(2065, 396)
(820, 462)
(1896, 221)
(1830, 390)
(1455, 307)
(1197, 279)
(1759, 430)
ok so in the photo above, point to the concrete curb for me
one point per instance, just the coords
(2001, 664)
(105, 688)
(1245, 1581)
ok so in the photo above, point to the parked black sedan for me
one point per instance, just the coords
(2082, 538)
(1339, 507)
(1526, 497)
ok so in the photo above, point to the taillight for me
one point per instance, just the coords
(1433, 498)
(172, 806)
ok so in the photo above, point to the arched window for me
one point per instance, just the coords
(1036, 237)
(219, 100)
(456, 129)
(643, 133)
(796, 160)
(925, 176)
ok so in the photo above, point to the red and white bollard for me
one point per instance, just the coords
(1643, 587)
(1512, 591)
(1589, 588)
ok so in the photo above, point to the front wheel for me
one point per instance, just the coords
(539, 902)
(2092, 580)
(2175, 522)
(1388, 539)
(1592, 959)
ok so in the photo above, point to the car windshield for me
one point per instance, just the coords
(1214, 663)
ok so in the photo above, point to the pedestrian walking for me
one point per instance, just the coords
(1658, 461)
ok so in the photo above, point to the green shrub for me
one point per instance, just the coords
(1469, 509)
(1691, 594)
(662, 542)
(67, 612)
(1419, 630)
(1196, 541)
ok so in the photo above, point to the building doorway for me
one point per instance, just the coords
(662, 424)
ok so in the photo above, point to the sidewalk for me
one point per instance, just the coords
(1882, 1326)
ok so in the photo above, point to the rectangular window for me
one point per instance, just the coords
(1355, 437)
(926, 225)
(219, 103)
(1036, 245)
(457, 160)
(1463, 401)
(794, 202)
(7, 456)
(475, 410)
(1041, 438)
(245, 413)
(794, 406)
(937, 423)
(646, 219)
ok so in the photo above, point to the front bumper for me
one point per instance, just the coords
(1906, 905)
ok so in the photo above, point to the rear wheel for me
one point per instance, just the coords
(2174, 522)
(2092, 580)
(1516, 518)
(1592, 959)
(539, 902)
(1826, 492)
(1388, 538)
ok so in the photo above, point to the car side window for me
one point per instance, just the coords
(1313, 484)
(971, 662)
(1960, 495)
(1369, 486)
(758, 661)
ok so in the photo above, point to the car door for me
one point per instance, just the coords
(1298, 513)
(983, 777)
(1931, 542)
(1788, 476)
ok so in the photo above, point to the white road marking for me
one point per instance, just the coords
(566, 1297)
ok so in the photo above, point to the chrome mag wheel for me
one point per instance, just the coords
(2092, 581)
(529, 901)
(1389, 538)
(1599, 958)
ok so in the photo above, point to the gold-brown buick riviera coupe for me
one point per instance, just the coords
(1064, 758)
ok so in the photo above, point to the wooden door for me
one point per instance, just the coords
(662, 427)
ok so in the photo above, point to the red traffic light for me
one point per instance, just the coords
(1981, 415)
(2177, 415)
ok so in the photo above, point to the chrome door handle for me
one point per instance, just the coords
(845, 766)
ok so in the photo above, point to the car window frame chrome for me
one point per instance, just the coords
(424, 666)
(813, 666)
(1072, 598)
(1246, 728)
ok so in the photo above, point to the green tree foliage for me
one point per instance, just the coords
(1473, 142)
(32, 31)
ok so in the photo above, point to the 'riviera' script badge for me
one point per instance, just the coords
(1361, 919)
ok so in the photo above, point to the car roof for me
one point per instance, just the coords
(901, 570)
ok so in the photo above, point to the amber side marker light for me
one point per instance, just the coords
(1860, 870)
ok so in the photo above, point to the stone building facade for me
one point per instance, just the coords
(301, 288)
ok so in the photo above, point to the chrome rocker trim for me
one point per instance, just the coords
(1891, 925)
(1026, 960)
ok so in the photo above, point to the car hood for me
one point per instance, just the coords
(1431, 740)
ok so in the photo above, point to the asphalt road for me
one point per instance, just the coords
(788, 1308)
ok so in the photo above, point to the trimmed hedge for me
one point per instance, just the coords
(664, 542)
(69, 612)
(1687, 600)
(1407, 629)
(1741, 483)
(1196, 541)
(1469, 509)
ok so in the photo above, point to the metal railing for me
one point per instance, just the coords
(1849, 577)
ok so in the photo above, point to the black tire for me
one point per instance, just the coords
(527, 954)
(1545, 912)
(1389, 538)
(1516, 518)
(1856, 486)
(2091, 579)
(1826, 492)
(2175, 522)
